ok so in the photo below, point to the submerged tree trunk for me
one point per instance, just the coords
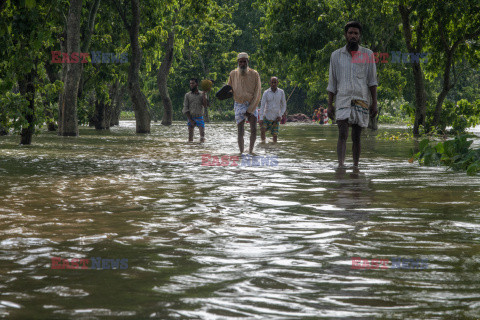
(140, 106)
(142, 115)
(68, 119)
(87, 37)
(115, 96)
(162, 77)
(420, 93)
(101, 118)
(420, 98)
(27, 89)
(447, 84)
(63, 77)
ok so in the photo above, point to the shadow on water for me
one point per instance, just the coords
(232, 242)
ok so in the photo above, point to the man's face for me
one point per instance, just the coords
(193, 85)
(353, 35)
(274, 84)
(242, 63)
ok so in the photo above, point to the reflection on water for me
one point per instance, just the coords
(226, 242)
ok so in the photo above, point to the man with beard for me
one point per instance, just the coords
(353, 85)
(246, 86)
(193, 105)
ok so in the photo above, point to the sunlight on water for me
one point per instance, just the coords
(268, 241)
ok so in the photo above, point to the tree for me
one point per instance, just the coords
(25, 31)
(142, 115)
(448, 32)
(68, 122)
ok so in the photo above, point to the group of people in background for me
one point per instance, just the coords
(351, 85)
(246, 89)
(320, 115)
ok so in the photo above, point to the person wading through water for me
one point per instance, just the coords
(351, 84)
(247, 90)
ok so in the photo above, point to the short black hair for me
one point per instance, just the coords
(353, 24)
(194, 79)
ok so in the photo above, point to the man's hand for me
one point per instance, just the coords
(192, 122)
(331, 112)
(260, 122)
(204, 100)
(279, 118)
(373, 109)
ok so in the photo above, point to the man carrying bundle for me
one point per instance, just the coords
(246, 86)
(193, 105)
(273, 106)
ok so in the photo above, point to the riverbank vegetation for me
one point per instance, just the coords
(455, 154)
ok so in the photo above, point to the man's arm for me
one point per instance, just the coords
(262, 106)
(372, 86)
(256, 94)
(331, 109)
(373, 107)
(204, 99)
(283, 105)
(332, 89)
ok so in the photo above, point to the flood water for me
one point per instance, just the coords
(232, 242)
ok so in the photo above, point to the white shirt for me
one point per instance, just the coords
(273, 104)
(350, 80)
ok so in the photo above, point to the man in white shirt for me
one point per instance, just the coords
(353, 85)
(272, 108)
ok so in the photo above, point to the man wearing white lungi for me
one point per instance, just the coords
(247, 90)
(353, 85)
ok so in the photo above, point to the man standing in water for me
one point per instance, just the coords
(353, 86)
(247, 89)
(193, 105)
(273, 106)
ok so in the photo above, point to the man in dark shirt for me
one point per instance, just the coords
(193, 105)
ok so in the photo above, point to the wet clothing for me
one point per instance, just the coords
(359, 113)
(271, 126)
(240, 109)
(273, 104)
(246, 88)
(193, 102)
(350, 80)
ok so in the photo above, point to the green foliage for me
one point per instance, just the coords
(394, 111)
(13, 111)
(127, 115)
(461, 116)
(455, 154)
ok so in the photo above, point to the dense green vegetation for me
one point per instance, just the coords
(180, 39)
(455, 153)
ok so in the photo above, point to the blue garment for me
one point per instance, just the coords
(199, 122)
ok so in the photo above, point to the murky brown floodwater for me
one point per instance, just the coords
(225, 242)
